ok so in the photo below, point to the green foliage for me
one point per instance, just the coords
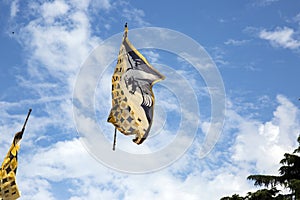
(298, 149)
(233, 197)
(263, 194)
(264, 180)
(295, 186)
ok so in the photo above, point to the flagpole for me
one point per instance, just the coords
(19, 135)
(115, 139)
(26, 120)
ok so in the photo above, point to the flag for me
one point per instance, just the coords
(132, 96)
(8, 187)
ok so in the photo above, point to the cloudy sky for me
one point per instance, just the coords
(228, 107)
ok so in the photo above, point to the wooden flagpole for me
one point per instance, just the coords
(115, 139)
(26, 119)
(19, 135)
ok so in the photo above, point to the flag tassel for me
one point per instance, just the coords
(115, 139)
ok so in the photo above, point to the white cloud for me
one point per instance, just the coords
(264, 2)
(265, 143)
(282, 37)
(53, 46)
(34, 189)
(151, 56)
(63, 160)
(101, 4)
(218, 56)
(235, 42)
(51, 10)
(297, 18)
(57, 40)
(14, 8)
(134, 16)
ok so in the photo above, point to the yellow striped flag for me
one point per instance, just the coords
(132, 96)
(8, 186)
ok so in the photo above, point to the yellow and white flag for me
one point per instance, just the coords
(132, 96)
(8, 186)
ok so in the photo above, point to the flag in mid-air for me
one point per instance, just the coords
(8, 186)
(132, 96)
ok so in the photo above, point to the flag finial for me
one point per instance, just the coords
(125, 30)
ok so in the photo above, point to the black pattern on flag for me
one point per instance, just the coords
(8, 187)
(132, 96)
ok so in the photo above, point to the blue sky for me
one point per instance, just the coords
(253, 45)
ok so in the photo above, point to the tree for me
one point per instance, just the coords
(289, 178)
(234, 197)
(264, 194)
